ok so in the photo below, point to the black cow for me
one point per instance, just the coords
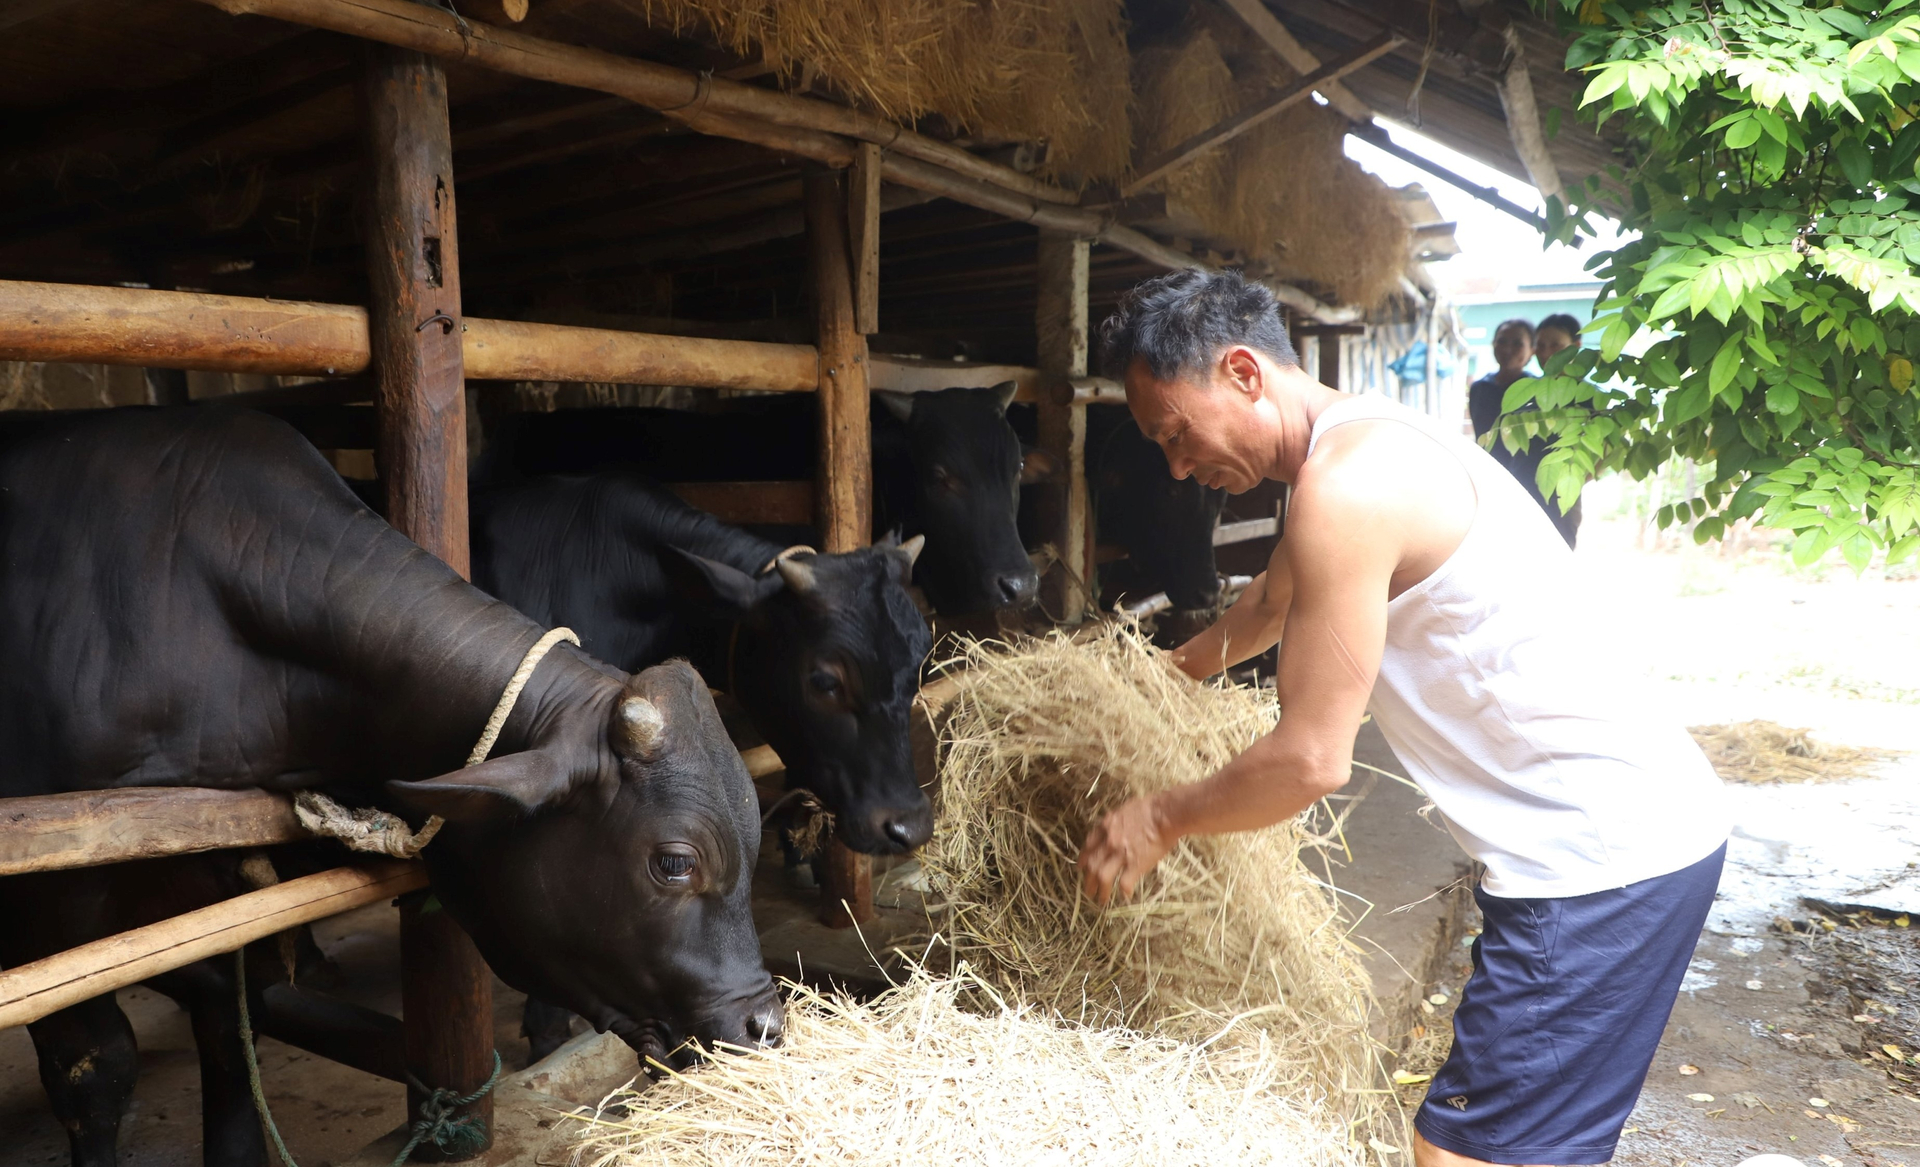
(192, 597)
(823, 652)
(946, 465)
(1166, 524)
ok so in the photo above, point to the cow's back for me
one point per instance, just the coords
(164, 600)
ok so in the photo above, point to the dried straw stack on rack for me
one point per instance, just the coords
(1053, 72)
(1224, 1011)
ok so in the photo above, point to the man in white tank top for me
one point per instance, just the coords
(1418, 580)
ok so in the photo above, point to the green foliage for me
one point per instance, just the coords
(1776, 274)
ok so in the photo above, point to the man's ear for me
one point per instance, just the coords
(719, 585)
(1243, 370)
(495, 790)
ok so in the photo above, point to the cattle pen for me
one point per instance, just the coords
(295, 205)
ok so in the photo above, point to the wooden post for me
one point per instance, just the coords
(414, 330)
(1060, 318)
(845, 492)
(1330, 359)
(863, 232)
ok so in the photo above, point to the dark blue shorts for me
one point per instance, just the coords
(1559, 1022)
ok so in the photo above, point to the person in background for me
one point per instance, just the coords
(1513, 347)
(1553, 335)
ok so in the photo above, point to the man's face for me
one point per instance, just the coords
(1549, 341)
(1512, 348)
(1206, 420)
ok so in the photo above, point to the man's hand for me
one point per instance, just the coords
(1123, 847)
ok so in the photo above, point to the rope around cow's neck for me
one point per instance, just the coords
(389, 835)
(380, 833)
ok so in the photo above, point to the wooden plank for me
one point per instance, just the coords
(750, 502)
(88, 828)
(1260, 111)
(414, 334)
(1262, 23)
(1244, 531)
(31, 991)
(1060, 318)
(863, 233)
(845, 492)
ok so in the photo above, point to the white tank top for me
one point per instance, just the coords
(1501, 698)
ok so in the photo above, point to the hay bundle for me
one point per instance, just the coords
(1055, 72)
(1230, 933)
(915, 1077)
(1766, 751)
(1284, 192)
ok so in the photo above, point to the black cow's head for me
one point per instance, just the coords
(608, 868)
(826, 659)
(1166, 524)
(965, 494)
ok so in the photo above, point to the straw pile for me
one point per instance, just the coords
(1230, 933)
(1766, 751)
(1284, 192)
(916, 1077)
(1055, 72)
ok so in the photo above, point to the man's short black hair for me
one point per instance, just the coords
(1562, 321)
(1525, 326)
(1178, 322)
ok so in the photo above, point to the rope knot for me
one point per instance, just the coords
(461, 1137)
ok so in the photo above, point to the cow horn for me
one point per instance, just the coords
(799, 576)
(639, 729)
(912, 547)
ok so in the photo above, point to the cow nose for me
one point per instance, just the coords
(1019, 589)
(900, 834)
(767, 1024)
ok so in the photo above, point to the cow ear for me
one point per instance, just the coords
(498, 789)
(899, 405)
(718, 584)
(1037, 466)
(1005, 392)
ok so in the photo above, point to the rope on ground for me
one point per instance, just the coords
(459, 1138)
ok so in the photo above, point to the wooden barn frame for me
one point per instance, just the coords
(410, 349)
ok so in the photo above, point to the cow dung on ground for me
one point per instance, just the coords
(1224, 1009)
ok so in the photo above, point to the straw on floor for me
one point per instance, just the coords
(917, 1076)
(1232, 932)
(1766, 751)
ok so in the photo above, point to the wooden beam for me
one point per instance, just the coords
(88, 828)
(414, 340)
(1244, 531)
(1374, 134)
(1260, 111)
(31, 991)
(1262, 23)
(1060, 320)
(700, 100)
(845, 491)
(863, 233)
(339, 1031)
(750, 502)
(1523, 119)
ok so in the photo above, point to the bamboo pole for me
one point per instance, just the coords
(88, 828)
(1060, 319)
(31, 991)
(239, 334)
(686, 96)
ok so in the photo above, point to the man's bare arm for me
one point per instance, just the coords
(1250, 627)
(1334, 634)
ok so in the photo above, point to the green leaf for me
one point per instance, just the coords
(1725, 363)
(1742, 134)
(1782, 398)
(1854, 162)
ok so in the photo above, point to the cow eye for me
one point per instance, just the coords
(946, 479)
(824, 682)
(674, 866)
